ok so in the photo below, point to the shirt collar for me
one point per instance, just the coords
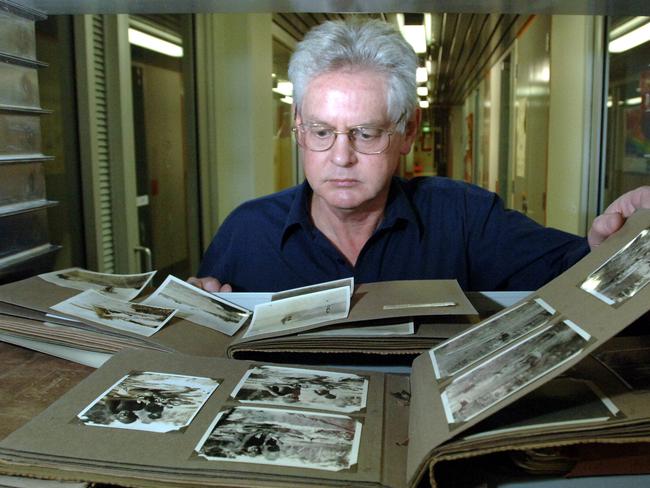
(398, 209)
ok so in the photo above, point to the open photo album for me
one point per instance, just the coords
(544, 372)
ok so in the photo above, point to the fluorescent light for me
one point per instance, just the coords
(421, 75)
(424, 103)
(284, 88)
(632, 39)
(422, 91)
(416, 36)
(288, 100)
(633, 101)
(147, 41)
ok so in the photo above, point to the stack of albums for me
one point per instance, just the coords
(92, 315)
(541, 373)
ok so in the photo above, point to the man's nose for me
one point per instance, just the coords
(342, 153)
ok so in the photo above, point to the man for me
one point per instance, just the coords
(356, 113)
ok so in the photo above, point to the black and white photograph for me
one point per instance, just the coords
(388, 330)
(303, 388)
(150, 401)
(495, 379)
(562, 402)
(133, 317)
(198, 306)
(119, 286)
(299, 311)
(624, 274)
(282, 438)
(489, 336)
(304, 290)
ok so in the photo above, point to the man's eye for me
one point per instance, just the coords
(321, 132)
(366, 133)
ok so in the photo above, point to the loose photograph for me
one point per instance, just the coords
(489, 336)
(624, 274)
(497, 378)
(119, 286)
(299, 312)
(150, 401)
(304, 388)
(282, 438)
(118, 314)
(198, 306)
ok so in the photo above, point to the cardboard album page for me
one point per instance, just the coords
(478, 372)
(147, 418)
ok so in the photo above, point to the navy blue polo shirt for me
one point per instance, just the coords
(433, 228)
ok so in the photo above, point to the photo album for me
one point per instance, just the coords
(105, 313)
(544, 372)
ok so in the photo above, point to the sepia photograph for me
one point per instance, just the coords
(133, 317)
(282, 438)
(198, 306)
(118, 286)
(489, 336)
(306, 388)
(495, 379)
(153, 402)
(299, 311)
(562, 402)
(624, 274)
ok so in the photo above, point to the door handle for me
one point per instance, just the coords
(148, 261)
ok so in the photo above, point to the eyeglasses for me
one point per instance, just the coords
(364, 139)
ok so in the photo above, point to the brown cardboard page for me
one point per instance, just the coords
(56, 442)
(392, 300)
(594, 322)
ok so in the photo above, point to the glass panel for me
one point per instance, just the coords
(627, 164)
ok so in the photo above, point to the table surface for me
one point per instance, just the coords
(30, 381)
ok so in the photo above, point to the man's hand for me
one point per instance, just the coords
(614, 216)
(209, 284)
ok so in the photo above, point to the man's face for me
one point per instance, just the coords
(341, 178)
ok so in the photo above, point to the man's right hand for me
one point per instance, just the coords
(209, 284)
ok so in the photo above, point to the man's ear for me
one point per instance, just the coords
(411, 132)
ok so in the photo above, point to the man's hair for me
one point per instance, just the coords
(358, 45)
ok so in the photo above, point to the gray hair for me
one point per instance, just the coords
(370, 44)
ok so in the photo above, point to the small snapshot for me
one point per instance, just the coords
(489, 336)
(283, 438)
(153, 402)
(305, 388)
(300, 311)
(118, 314)
(119, 286)
(198, 306)
(624, 274)
(491, 381)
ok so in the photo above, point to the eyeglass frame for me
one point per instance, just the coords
(348, 132)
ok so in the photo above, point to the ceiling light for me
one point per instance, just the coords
(632, 39)
(412, 28)
(421, 75)
(147, 41)
(284, 88)
(424, 103)
(633, 101)
(422, 91)
(288, 100)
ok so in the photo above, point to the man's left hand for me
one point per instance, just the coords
(615, 215)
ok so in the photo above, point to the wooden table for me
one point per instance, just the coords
(30, 381)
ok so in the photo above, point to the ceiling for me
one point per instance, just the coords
(464, 46)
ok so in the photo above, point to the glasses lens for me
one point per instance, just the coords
(369, 140)
(317, 138)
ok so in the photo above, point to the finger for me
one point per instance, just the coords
(604, 226)
(226, 288)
